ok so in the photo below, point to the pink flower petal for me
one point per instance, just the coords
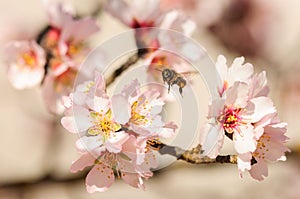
(84, 161)
(131, 89)
(176, 20)
(237, 95)
(120, 10)
(79, 30)
(150, 162)
(239, 71)
(258, 85)
(216, 107)
(133, 179)
(89, 143)
(114, 144)
(100, 178)
(79, 121)
(222, 68)
(69, 124)
(212, 140)
(259, 170)
(244, 162)
(168, 130)
(263, 106)
(59, 15)
(98, 104)
(145, 13)
(120, 109)
(244, 140)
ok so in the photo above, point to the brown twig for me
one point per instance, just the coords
(192, 156)
(130, 61)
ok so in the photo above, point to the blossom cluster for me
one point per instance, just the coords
(114, 132)
(52, 59)
(245, 114)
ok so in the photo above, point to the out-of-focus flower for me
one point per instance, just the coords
(58, 83)
(136, 15)
(270, 147)
(25, 61)
(244, 26)
(59, 16)
(65, 35)
(161, 60)
(123, 163)
(258, 85)
(64, 41)
(204, 13)
(72, 47)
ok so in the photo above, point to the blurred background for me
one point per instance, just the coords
(36, 152)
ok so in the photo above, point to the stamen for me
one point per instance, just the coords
(231, 119)
(29, 59)
(104, 124)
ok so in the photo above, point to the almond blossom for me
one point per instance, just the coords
(83, 98)
(136, 14)
(122, 164)
(139, 111)
(25, 61)
(270, 147)
(65, 35)
(114, 131)
(234, 116)
(65, 41)
(140, 17)
(246, 115)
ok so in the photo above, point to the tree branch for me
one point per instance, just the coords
(131, 61)
(192, 156)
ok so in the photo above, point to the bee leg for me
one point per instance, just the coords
(169, 87)
(180, 91)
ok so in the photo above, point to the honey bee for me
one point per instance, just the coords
(171, 77)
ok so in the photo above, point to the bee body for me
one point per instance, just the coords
(171, 77)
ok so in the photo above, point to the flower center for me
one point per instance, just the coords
(29, 59)
(74, 48)
(104, 124)
(113, 161)
(89, 86)
(141, 24)
(65, 80)
(230, 119)
(136, 116)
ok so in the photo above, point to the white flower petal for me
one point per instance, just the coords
(212, 140)
(244, 140)
(121, 109)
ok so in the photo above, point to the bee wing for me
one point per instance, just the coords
(189, 75)
(160, 67)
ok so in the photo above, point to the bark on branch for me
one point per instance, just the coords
(192, 156)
